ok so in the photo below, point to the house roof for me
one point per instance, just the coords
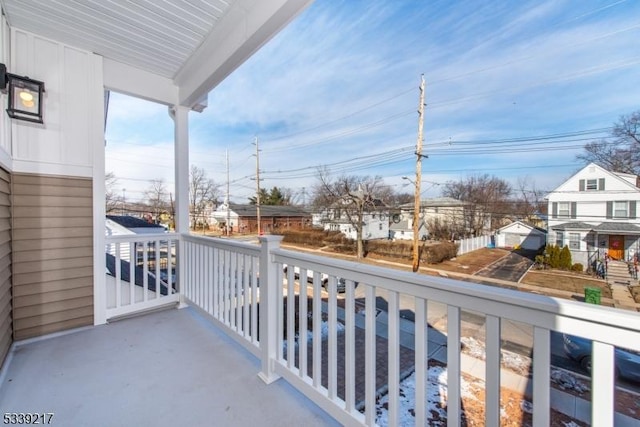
(193, 45)
(617, 227)
(133, 222)
(525, 225)
(618, 176)
(268, 210)
(573, 226)
(437, 202)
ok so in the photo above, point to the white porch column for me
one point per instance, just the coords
(181, 142)
(270, 291)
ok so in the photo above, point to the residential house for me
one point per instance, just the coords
(402, 229)
(594, 213)
(243, 218)
(53, 265)
(522, 235)
(459, 218)
(341, 216)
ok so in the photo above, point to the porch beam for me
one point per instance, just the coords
(246, 27)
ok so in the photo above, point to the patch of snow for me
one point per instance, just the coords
(526, 406)
(570, 424)
(436, 399)
(566, 381)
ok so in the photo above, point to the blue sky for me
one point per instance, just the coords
(338, 88)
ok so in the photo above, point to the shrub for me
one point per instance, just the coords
(577, 267)
(565, 258)
(434, 254)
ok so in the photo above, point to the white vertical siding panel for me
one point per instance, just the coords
(75, 126)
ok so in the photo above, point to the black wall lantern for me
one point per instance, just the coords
(25, 96)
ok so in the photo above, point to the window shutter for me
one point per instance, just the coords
(601, 184)
(574, 206)
(581, 185)
(609, 210)
(632, 209)
(554, 210)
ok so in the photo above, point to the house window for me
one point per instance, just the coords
(574, 241)
(592, 184)
(620, 210)
(564, 209)
(380, 226)
(559, 239)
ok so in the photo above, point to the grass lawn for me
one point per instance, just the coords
(471, 262)
(565, 281)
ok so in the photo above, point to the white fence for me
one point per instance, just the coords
(325, 344)
(473, 243)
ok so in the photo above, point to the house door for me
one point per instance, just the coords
(616, 247)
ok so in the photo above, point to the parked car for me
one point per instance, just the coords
(627, 361)
(341, 284)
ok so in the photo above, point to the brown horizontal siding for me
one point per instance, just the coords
(6, 315)
(46, 244)
(52, 238)
(51, 327)
(50, 286)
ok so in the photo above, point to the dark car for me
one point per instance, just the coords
(341, 284)
(627, 361)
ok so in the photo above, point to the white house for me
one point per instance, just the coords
(521, 234)
(375, 225)
(595, 212)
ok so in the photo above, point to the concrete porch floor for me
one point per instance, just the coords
(166, 368)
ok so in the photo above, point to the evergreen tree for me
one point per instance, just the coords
(565, 258)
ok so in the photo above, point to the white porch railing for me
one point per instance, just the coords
(221, 278)
(140, 272)
(472, 244)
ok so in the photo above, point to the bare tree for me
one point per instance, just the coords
(621, 151)
(156, 195)
(488, 197)
(203, 191)
(350, 197)
(112, 196)
(530, 200)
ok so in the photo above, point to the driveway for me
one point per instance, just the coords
(510, 267)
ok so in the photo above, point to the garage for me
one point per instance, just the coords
(521, 235)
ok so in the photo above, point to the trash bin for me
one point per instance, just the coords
(592, 295)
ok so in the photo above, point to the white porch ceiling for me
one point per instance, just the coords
(195, 43)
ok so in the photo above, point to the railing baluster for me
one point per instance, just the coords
(453, 366)
(333, 340)
(248, 282)
(603, 384)
(145, 271)
(118, 276)
(303, 322)
(370, 355)
(350, 346)
(317, 322)
(158, 281)
(421, 360)
(492, 382)
(290, 314)
(132, 273)
(393, 357)
(254, 300)
(541, 374)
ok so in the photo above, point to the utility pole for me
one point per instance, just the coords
(416, 204)
(228, 201)
(258, 185)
